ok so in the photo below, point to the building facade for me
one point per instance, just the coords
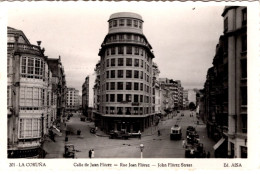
(125, 95)
(85, 96)
(72, 100)
(235, 46)
(27, 94)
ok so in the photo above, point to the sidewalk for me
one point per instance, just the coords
(55, 149)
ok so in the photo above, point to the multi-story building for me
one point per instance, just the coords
(125, 91)
(235, 46)
(185, 99)
(27, 95)
(72, 100)
(225, 97)
(59, 88)
(85, 96)
(191, 96)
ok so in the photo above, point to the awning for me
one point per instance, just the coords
(218, 143)
(56, 130)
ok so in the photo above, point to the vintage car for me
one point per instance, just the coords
(175, 133)
(119, 134)
(69, 151)
(195, 151)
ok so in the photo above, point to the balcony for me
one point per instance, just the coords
(125, 41)
(25, 48)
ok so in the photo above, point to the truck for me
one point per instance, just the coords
(175, 132)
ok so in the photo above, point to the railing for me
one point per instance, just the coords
(24, 47)
(127, 41)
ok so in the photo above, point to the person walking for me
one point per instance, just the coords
(183, 143)
(90, 153)
(159, 132)
(139, 134)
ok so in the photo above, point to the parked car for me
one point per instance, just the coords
(69, 151)
(119, 134)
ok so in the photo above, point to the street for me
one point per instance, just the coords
(154, 146)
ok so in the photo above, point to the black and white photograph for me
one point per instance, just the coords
(128, 80)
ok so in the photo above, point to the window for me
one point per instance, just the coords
(119, 110)
(112, 73)
(107, 51)
(136, 86)
(112, 110)
(142, 63)
(147, 78)
(141, 87)
(135, 23)
(114, 37)
(128, 97)
(141, 98)
(128, 73)
(120, 73)
(148, 68)
(128, 36)
(128, 50)
(140, 24)
(31, 97)
(135, 110)
(120, 50)
(226, 24)
(112, 85)
(115, 23)
(121, 22)
(113, 62)
(136, 62)
(244, 17)
(135, 37)
(128, 111)
(142, 51)
(128, 86)
(29, 128)
(113, 51)
(141, 75)
(136, 74)
(107, 86)
(244, 95)
(244, 68)
(112, 97)
(107, 62)
(128, 61)
(129, 22)
(110, 24)
(119, 97)
(107, 74)
(141, 110)
(107, 97)
(244, 43)
(136, 98)
(136, 51)
(120, 61)
(120, 86)
(121, 37)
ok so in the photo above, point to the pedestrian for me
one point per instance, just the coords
(159, 132)
(90, 153)
(139, 134)
(183, 143)
(96, 128)
(208, 154)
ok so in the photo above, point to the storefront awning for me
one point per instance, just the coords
(56, 131)
(218, 143)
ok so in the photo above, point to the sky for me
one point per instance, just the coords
(183, 36)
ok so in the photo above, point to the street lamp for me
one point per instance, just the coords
(141, 148)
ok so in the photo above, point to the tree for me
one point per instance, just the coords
(192, 106)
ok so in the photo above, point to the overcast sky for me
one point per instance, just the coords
(183, 38)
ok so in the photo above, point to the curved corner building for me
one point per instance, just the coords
(126, 95)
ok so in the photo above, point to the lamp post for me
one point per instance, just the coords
(141, 148)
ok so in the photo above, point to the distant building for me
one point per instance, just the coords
(191, 96)
(72, 100)
(85, 96)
